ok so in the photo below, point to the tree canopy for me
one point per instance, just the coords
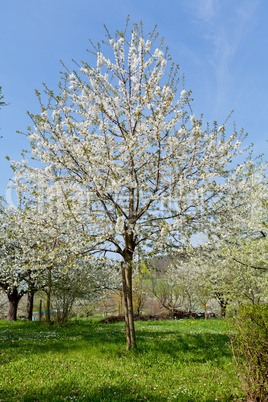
(138, 171)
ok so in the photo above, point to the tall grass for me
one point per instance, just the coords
(185, 360)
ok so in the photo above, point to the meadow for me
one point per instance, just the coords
(85, 360)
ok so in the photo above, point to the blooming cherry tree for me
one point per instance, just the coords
(17, 275)
(148, 175)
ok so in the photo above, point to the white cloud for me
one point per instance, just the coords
(223, 25)
(206, 9)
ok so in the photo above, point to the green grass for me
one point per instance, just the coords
(186, 360)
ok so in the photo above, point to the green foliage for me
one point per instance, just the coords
(85, 360)
(250, 348)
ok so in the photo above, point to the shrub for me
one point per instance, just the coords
(250, 350)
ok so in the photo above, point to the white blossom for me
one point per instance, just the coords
(119, 227)
(126, 143)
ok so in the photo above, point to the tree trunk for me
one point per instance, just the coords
(13, 298)
(223, 309)
(29, 311)
(128, 304)
(49, 282)
(40, 311)
(223, 304)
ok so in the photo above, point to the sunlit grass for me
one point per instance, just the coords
(185, 360)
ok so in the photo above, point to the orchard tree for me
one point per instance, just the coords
(15, 280)
(251, 249)
(47, 238)
(141, 289)
(148, 172)
(73, 282)
(186, 276)
(234, 261)
(29, 237)
(237, 259)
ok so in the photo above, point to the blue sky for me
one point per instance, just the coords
(220, 45)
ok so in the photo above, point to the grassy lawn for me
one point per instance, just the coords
(185, 360)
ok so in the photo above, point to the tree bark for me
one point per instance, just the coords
(223, 309)
(40, 311)
(29, 311)
(223, 304)
(49, 284)
(128, 304)
(13, 298)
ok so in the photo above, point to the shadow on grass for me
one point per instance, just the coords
(98, 341)
(105, 393)
(201, 347)
(110, 342)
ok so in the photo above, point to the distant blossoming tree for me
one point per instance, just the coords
(149, 175)
(17, 276)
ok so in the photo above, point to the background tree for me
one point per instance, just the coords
(149, 175)
(141, 288)
(47, 239)
(166, 288)
(18, 276)
(246, 241)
